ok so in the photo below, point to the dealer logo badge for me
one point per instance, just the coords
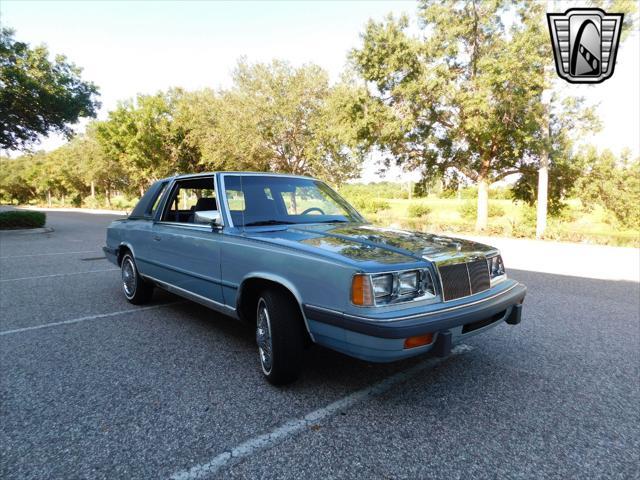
(585, 43)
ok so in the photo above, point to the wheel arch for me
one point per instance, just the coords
(251, 286)
(122, 249)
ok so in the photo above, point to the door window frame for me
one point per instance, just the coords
(169, 193)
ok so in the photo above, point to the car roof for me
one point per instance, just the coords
(207, 174)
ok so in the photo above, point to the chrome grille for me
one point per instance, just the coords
(479, 275)
(463, 279)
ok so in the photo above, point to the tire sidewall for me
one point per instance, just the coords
(262, 301)
(287, 337)
(128, 258)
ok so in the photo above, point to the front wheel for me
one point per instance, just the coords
(280, 337)
(134, 287)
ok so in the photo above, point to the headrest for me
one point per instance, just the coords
(206, 203)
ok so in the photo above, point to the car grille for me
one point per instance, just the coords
(464, 279)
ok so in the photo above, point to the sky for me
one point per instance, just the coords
(135, 47)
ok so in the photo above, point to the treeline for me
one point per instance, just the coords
(459, 97)
(274, 118)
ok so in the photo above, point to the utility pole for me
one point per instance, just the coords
(543, 180)
(543, 170)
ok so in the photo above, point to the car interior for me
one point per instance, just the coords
(190, 196)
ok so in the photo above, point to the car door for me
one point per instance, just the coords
(186, 255)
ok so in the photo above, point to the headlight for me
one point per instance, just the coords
(409, 282)
(382, 285)
(496, 266)
(386, 288)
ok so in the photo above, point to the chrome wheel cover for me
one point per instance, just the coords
(263, 337)
(128, 277)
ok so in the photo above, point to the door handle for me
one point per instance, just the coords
(156, 238)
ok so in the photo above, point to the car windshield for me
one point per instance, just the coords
(256, 200)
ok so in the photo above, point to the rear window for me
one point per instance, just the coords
(149, 202)
(155, 204)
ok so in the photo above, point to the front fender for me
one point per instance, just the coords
(278, 279)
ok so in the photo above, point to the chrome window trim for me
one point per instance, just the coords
(194, 226)
(168, 193)
(225, 201)
(277, 175)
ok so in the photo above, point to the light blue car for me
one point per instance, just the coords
(290, 256)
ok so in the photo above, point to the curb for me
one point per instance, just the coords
(94, 211)
(27, 231)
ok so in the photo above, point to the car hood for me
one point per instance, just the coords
(371, 245)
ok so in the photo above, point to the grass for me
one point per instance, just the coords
(15, 219)
(506, 218)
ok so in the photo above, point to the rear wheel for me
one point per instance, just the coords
(280, 337)
(134, 287)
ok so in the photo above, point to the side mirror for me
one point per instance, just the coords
(208, 217)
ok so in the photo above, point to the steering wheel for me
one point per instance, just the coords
(309, 210)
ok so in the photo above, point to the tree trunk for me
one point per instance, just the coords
(141, 190)
(483, 204)
(63, 200)
(108, 192)
(543, 171)
(93, 189)
(543, 185)
(49, 198)
(185, 198)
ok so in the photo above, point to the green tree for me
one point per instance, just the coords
(284, 119)
(611, 182)
(13, 181)
(555, 175)
(37, 95)
(143, 139)
(453, 101)
(569, 120)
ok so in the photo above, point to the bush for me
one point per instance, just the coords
(375, 206)
(418, 210)
(91, 202)
(123, 203)
(368, 204)
(468, 210)
(21, 219)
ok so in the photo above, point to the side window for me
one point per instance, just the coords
(190, 196)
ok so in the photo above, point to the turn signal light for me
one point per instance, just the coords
(418, 341)
(361, 291)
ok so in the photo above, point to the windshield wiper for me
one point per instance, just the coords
(333, 221)
(267, 222)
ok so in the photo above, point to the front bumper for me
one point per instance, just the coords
(382, 340)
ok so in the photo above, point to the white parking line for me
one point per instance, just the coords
(268, 440)
(47, 254)
(59, 275)
(84, 319)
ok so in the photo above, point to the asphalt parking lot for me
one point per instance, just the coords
(93, 387)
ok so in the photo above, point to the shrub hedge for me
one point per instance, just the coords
(418, 210)
(21, 219)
